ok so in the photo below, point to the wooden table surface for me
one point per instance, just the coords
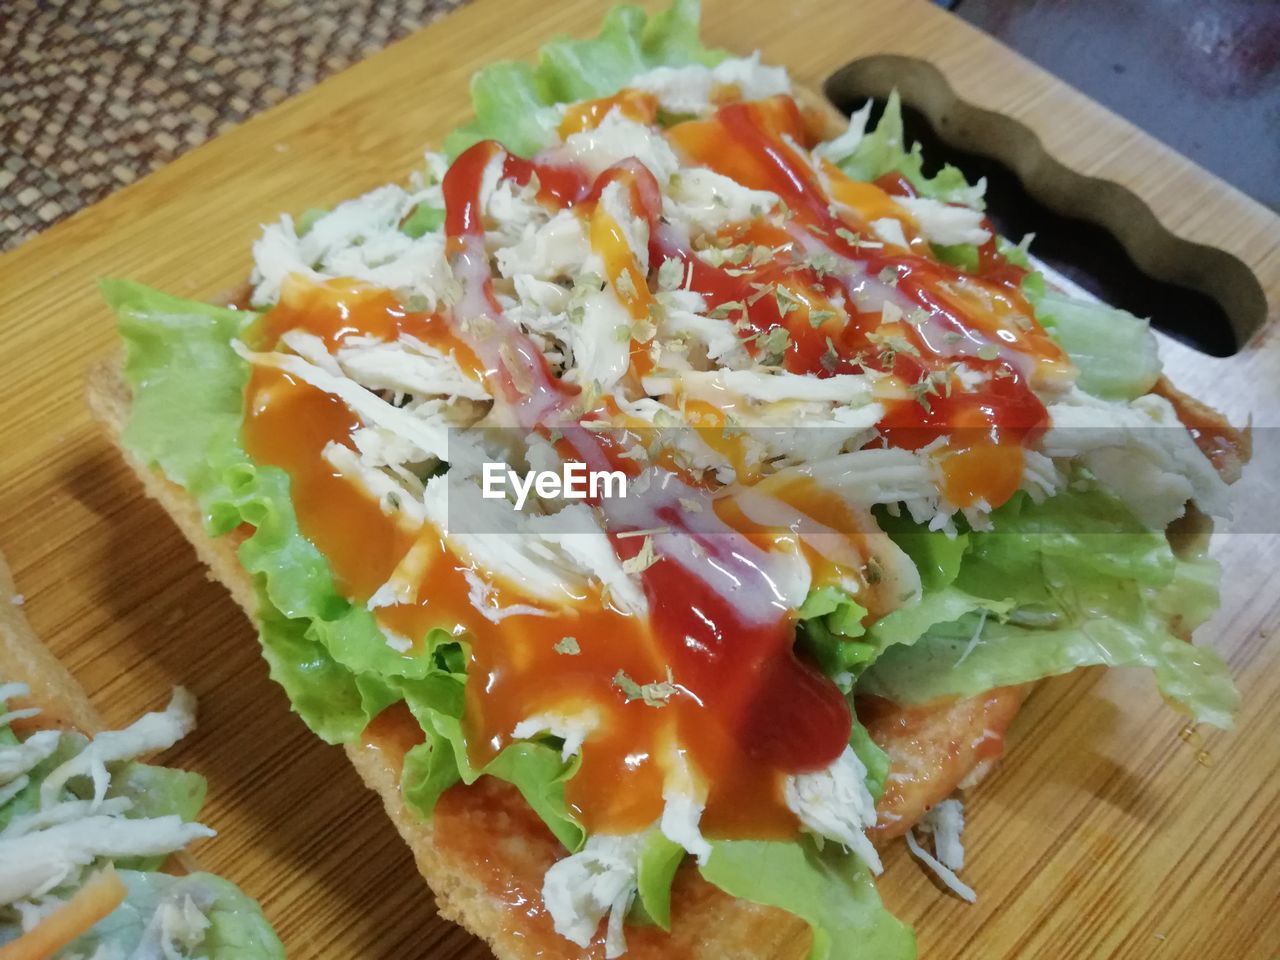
(1103, 835)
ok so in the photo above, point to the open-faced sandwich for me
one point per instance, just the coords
(92, 841)
(670, 494)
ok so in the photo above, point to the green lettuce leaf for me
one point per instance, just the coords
(1033, 285)
(1191, 596)
(937, 555)
(515, 102)
(237, 928)
(839, 612)
(1087, 534)
(1115, 351)
(884, 150)
(511, 106)
(156, 792)
(534, 767)
(159, 791)
(945, 662)
(831, 630)
(187, 387)
(423, 220)
(1074, 581)
(830, 889)
(656, 871)
(574, 70)
(908, 624)
(335, 703)
(962, 255)
(873, 758)
(828, 631)
(1015, 253)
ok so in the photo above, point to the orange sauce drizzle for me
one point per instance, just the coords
(858, 549)
(749, 711)
(990, 472)
(1003, 415)
(608, 240)
(869, 202)
(713, 429)
(513, 669)
(638, 105)
(326, 311)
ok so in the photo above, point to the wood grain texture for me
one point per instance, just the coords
(1101, 836)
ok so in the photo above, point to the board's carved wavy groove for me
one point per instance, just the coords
(1158, 250)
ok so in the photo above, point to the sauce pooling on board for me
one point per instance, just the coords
(742, 709)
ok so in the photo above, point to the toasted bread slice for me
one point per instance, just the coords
(24, 659)
(485, 852)
(62, 701)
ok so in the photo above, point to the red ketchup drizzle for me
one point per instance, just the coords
(895, 184)
(994, 267)
(749, 711)
(532, 389)
(559, 185)
(1005, 412)
(783, 713)
(751, 705)
(461, 189)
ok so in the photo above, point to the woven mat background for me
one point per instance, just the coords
(97, 93)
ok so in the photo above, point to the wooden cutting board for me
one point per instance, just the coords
(1103, 835)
